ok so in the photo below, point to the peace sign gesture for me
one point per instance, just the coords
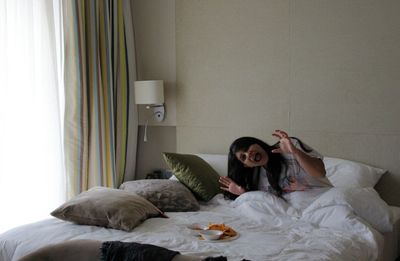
(285, 144)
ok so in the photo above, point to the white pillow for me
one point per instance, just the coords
(346, 173)
(219, 162)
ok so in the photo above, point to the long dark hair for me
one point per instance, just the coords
(248, 177)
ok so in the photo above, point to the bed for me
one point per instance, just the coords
(347, 222)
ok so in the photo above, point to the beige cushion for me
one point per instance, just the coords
(107, 207)
(74, 250)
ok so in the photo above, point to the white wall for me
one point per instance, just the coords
(154, 23)
(326, 71)
(160, 139)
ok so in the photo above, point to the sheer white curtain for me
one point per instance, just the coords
(31, 108)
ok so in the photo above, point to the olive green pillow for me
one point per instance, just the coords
(194, 173)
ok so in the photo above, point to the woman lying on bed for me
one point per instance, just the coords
(289, 165)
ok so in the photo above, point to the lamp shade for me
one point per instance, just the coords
(149, 92)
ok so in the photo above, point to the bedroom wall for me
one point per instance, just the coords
(325, 71)
(154, 24)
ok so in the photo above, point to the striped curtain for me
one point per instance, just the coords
(96, 93)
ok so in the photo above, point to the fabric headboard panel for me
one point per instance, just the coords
(249, 67)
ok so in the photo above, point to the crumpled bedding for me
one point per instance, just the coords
(308, 226)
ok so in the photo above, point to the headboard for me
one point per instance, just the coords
(325, 71)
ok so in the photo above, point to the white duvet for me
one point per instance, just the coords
(334, 224)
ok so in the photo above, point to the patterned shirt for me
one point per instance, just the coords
(294, 178)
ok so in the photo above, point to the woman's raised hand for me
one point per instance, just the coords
(229, 185)
(285, 144)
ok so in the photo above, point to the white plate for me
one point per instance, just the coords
(219, 240)
(194, 229)
(211, 234)
(197, 226)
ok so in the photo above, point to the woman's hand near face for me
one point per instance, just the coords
(313, 166)
(285, 144)
(229, 185)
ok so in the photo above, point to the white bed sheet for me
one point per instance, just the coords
(391, 249)
(270, 231)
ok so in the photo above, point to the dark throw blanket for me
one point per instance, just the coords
(130, 251)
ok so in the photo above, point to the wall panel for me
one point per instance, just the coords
(326, 71)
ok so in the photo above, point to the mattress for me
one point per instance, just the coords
(268, 228)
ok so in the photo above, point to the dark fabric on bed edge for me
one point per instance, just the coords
(218, 258)
(131, 251)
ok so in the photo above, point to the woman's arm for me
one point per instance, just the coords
(313, 166)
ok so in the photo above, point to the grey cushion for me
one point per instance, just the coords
(194, 173)
(107, 207)
(74, 250)
(167, 195)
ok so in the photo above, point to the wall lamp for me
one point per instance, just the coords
(151, 94)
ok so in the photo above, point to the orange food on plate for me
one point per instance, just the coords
(228, 231)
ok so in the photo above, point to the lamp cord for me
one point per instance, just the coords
(145, 131)
(145, 126)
